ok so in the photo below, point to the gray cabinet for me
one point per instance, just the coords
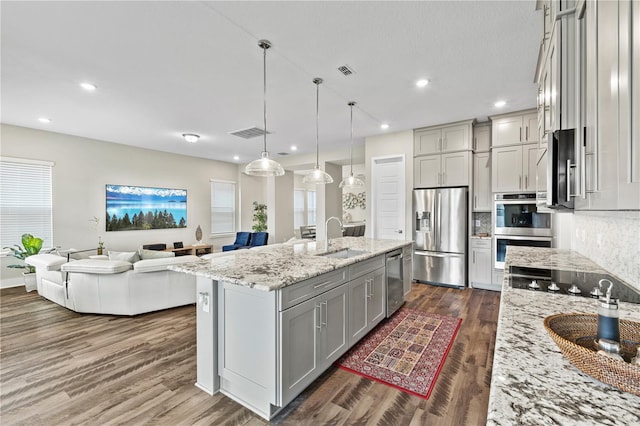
(480, 267)
(439, 139)
(482, 182)
(366, 303)
(313, 335)
(451, 169)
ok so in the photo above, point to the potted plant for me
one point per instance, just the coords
(30, 246)
(259, 217)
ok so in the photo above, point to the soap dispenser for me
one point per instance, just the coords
(608, 316)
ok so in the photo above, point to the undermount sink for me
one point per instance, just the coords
(344, 253)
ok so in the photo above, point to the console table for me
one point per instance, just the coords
(193, 250)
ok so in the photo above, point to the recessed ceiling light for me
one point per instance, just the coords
(384, 126)
(44, 120)
(422, 83)
(190, 137)
(294, 148)
(500, 104)
(88, 87)
(236, 157)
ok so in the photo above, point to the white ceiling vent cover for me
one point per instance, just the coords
(248, 133)
(346, 70)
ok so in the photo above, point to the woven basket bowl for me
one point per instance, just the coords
(567, 329)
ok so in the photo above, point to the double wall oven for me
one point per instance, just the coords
(517, 222)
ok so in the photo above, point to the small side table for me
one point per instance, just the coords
(195, 250)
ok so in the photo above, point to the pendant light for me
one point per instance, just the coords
(264, 166)
(317, 176)
(351, 182)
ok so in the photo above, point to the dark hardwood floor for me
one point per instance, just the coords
(58, 367)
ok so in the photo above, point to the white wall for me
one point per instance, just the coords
(400, 143)
(280, 208)
(252, 188)
(84, 166)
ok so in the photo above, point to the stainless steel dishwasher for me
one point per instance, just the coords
(395, 292)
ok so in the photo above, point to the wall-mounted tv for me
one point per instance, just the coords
(132, 208)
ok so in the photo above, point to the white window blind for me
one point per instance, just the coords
(311, 207)
(298, 208)
(223, 207)
(25, 201)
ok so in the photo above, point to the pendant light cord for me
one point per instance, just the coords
(317, 81)
(351, 104)
(264, 92)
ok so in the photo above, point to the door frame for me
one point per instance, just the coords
(374, 191)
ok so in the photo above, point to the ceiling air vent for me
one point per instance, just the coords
(249, 133)
(282, 153)
(346, 70)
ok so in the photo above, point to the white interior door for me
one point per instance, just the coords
(388, 198)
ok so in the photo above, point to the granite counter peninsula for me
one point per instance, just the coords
(532, 383)
(271, 319)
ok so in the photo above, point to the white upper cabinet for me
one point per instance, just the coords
(514, 129)
(451, 169)
(482, 137)
(440, 139)
(482, 201)
(515, 169)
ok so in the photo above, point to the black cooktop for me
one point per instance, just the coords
(585, 282)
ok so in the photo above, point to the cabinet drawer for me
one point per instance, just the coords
(480, 244)
(358, 269)
(298, 293)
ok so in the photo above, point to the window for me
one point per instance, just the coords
(223, 207)
(311, 207)
(25, 200)
(298, 208)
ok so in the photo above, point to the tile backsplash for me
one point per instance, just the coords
(484, 225)
(612, 240)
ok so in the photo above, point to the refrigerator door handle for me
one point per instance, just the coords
(439, 228)
(436, 254)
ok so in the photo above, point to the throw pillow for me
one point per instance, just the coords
(127, 256)
(155, 254)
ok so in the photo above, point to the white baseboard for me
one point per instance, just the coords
(12, 282)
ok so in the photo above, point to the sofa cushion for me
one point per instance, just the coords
(93, 266)
(48, 262)
(153, 265)
(127, 256)
(154, 254)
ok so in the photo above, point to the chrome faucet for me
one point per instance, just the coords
(326, 231)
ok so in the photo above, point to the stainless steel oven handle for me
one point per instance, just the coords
(520, 238)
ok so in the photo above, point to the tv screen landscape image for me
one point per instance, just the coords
(132, 208)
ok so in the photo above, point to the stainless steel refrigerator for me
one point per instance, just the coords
(440, 235)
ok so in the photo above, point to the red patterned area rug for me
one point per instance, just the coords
(406, 352)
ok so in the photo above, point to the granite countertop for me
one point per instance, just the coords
(275, 266)
(532, 383)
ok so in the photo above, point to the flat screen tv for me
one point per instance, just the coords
(131, 208)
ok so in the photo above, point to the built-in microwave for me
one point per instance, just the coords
(501, 242)
(518, 215)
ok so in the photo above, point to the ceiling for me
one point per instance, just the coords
(167, 68)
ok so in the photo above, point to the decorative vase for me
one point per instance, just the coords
(198, 234)
(30, 283)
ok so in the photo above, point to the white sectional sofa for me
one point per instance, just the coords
(114, 287)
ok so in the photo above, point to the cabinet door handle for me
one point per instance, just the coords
(475, 143)
(475, 201)
(444, 177)
(520, 134)
(325, 314)
(527, 133)
(520, 182)
(322, 284)
(317, 308)
(373, 289)
(439, 144)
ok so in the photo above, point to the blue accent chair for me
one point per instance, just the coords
(242, 240)
(259, 239)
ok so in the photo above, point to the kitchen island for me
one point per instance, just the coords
(532, 382)
(271, 319)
